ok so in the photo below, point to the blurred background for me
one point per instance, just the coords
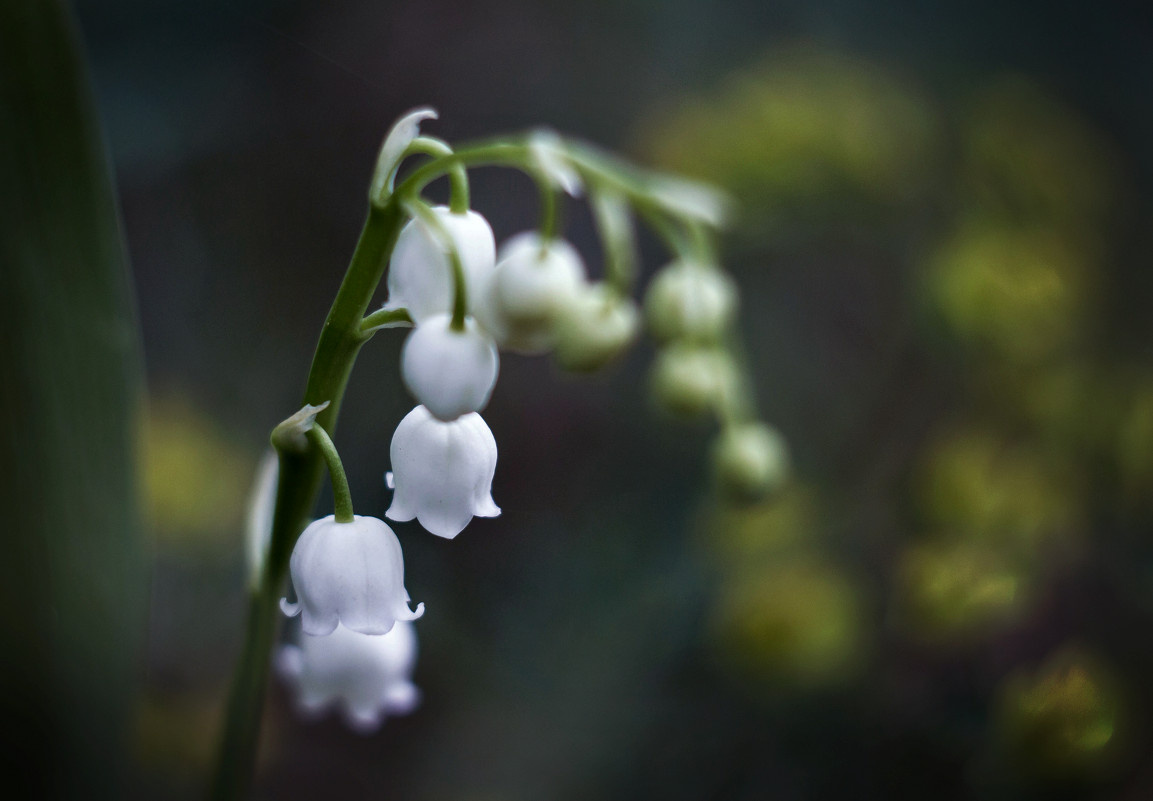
(943, 247)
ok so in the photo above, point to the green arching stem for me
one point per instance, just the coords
(549, 210)
(701, 245)
(596, 167)
(459, 199)
(459, 286)
(299, 483)
(384, 318)
(342, 497)
(615, 227)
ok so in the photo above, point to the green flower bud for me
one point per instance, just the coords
(690, 301)
(595, 327)
(689, 381)
(750, 459)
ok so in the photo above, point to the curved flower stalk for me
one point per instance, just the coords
(367, 677)
(442, 472)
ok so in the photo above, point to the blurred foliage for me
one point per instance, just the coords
(1020, 292)
(74, 577)
(1062, 720)
(803, 127)
(196, 476)
(797, 622)
(1020, 200)
(1014, 496)
(958, 591)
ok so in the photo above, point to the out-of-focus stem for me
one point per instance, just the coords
(300, 480)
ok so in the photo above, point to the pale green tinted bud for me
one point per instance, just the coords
(751, 459)
(691, 301)
(594, 328)
(688, 381)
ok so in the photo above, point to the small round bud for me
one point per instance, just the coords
(531, 284)
(594, 328)
(690, 301)
(688, 381)
(750, 459)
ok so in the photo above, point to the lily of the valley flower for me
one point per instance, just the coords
(420, 276)
(532, 282)
(450, 372)
(349, 573)
(442, 472)
(367, 676)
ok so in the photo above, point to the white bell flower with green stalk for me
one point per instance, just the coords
(442, 472)
(450, 372)
(420, 274)
(367, 677)
(533, 281)
(351, 574)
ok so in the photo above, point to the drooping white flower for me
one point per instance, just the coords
(366, 676)
(420, 276)
(532, 281)
(442, 472)
(450, 372)
(349, 573)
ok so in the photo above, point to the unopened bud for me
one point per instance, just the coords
(751, 459)
(596, 327)
(689, 381)
(690, 301)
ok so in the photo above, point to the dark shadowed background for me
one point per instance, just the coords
(943, 247)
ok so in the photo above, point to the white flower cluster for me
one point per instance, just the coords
(467, 301)
(523, 298)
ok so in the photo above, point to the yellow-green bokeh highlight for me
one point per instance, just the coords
(957, 591)
(975, 485)
(196, 476)
(798, 623)
(1062, 720)
(803, 127)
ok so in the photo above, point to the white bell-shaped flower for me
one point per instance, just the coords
(450, 372)
(420, 276)
(366, 676)
(349, 573)
(442, 472)
(531, 284)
